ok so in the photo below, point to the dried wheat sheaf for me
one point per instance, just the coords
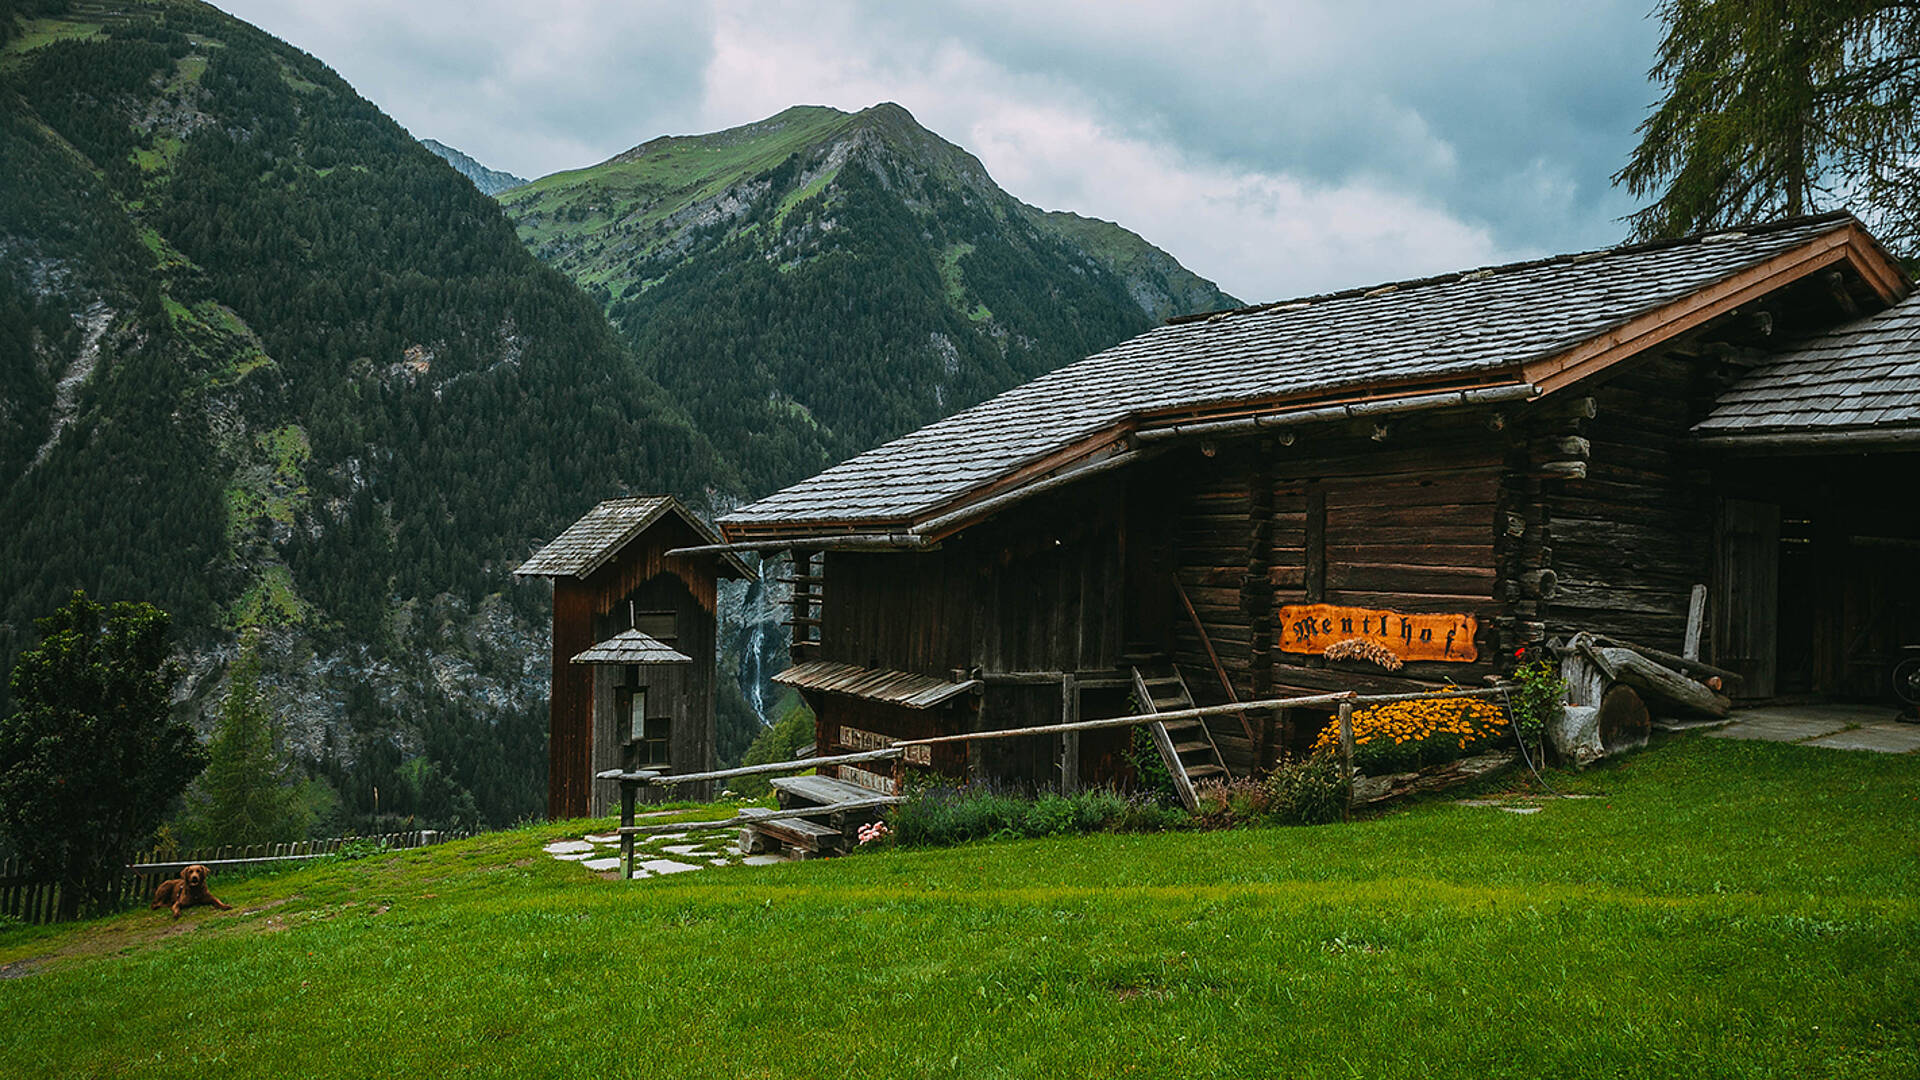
(1361, 649)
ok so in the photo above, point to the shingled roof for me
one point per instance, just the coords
(1860, 380)
(601, 532)
(633, 647)
(1533, 323)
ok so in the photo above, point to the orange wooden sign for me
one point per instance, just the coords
(1311, 628)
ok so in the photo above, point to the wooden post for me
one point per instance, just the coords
(1069, 740)
(1696, 614)
(1346, 752)
(1316, 544)
(628, 790)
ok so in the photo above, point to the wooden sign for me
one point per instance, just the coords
(1311, 628)
(856, 739)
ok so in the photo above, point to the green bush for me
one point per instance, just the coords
(1307, 791)
(1150, 773)
(1536, 696)
(939, 816)
(778, 741)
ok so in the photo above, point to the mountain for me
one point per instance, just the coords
(489, 181)
(268, 362)
(819, 282)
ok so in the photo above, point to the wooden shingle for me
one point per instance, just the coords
(1474, 328)
(1862, 377)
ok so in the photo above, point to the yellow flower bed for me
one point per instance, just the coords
(1409, 733)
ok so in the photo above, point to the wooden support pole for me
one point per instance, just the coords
(629, 792)
(1218, 669)
(1070, 737)
(1703, 671)
(1662, 683)
(1696, 615)
(1346, 753)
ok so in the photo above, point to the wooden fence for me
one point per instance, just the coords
(39, 901)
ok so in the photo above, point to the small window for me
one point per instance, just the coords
(659, 625)
(632, 713)
(656, 740)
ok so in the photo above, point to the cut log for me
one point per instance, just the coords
(1663, 684)
(1586, 685)
(1700, 671)
(1624, 723)
(1375, 789)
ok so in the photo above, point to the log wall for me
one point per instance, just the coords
(1632, 538)
(1406, 524)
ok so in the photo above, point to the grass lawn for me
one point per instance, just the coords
(1723, 909)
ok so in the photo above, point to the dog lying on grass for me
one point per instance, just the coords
(187, 890)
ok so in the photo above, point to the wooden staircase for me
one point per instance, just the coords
(1185, 744)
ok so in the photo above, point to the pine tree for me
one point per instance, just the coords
(244, 797)
(1781, 107)
(92, 757)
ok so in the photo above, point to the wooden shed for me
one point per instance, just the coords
(1389, 488)
(634, 647)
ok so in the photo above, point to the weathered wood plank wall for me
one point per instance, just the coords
(1633, 537)
(683, 692)
(577, 604)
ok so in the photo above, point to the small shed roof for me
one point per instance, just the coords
(633, 647)
(874, 684)
(1861, 379)
(1545, 322)
(601, 532)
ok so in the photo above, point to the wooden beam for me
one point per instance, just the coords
(1690, 665)
(1665, 684)
(646, 776)
(1218, 670)
(946, 524)
(1316, 543)
(1346, 753)
(1637, 335)
(1696, 616)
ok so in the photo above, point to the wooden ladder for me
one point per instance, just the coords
(1186, 745)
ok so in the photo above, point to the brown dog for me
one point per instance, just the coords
(187, 890)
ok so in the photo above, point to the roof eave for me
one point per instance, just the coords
(1849, 243)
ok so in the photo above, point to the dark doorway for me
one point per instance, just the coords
(1840, 535)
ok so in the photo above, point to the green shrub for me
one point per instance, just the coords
(1536, 696)
(1237, 801)
(778, 741)
(1307, 791)
(1150, 773)
(939, 816)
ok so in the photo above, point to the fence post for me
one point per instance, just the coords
(628, 794)
(1346, 755)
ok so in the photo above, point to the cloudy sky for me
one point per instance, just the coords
(1278, 148)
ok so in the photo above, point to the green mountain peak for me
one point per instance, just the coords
(819, 281)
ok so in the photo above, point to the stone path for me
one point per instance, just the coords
(1834, 727)
(653, 856)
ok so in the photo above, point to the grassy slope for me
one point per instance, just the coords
(642, 187)
(646, 184)
(1728, 909)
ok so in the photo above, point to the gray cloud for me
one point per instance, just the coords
(1279, 148)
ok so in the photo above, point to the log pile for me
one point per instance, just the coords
(1615, 688)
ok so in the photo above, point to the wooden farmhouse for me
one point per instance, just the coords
(1383, 489)
(634, 639)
